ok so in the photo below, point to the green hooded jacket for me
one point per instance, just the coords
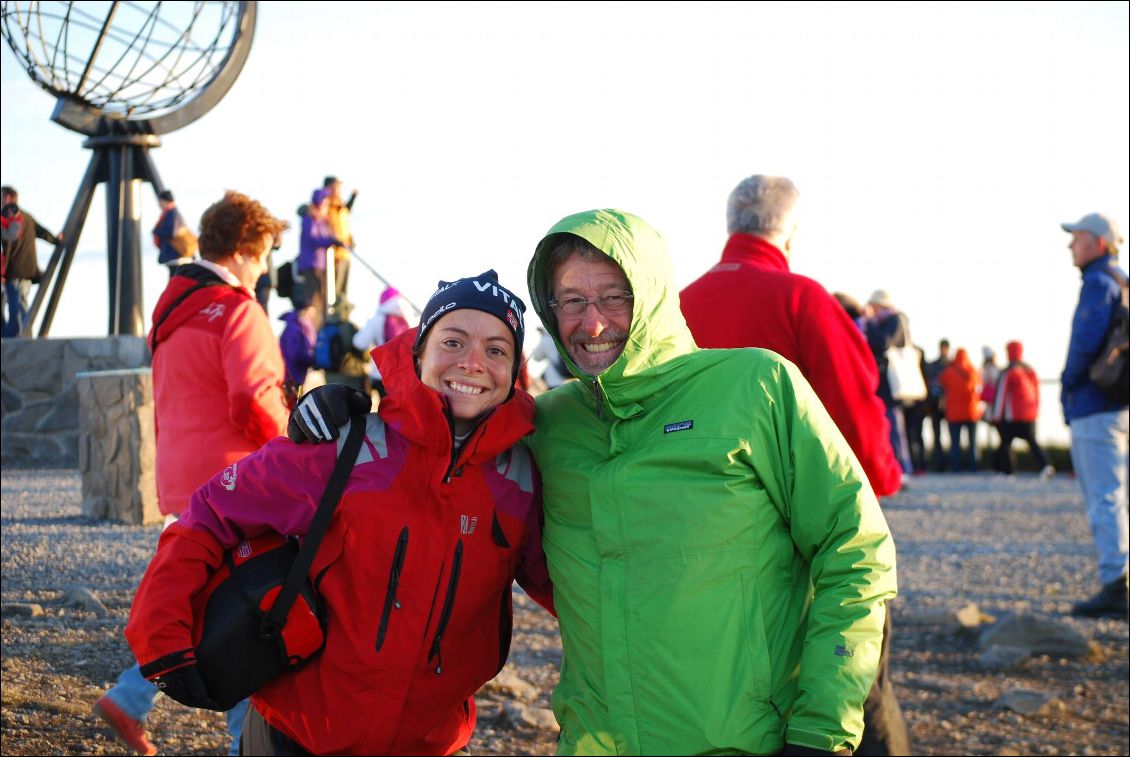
(720, 565)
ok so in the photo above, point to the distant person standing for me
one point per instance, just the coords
(1098, 422)
(174, 246)
(990, 374)
(961, 382)
(388, 322)
(21, 264)
(296, 342)
(889, 327)
(751, 298)
(339, 212)
(1015, 409)
(316, 239)
(936, 402)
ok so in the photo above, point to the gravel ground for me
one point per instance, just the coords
(1009, 545)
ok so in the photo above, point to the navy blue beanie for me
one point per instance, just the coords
(482, 292)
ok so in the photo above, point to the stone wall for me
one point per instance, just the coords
(39, 399)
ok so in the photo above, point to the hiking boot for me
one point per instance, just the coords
(124, 727)
(1047, 473)
(1110, 602)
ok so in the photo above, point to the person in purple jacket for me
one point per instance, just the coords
(297, 342)
(317, 236)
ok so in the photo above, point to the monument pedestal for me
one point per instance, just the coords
(117, 446)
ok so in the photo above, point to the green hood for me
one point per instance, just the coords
(658, 333)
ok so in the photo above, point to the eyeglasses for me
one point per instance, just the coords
(609, 304)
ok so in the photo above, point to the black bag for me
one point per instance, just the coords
(284, 283)
(262, 616)
(1110, 370)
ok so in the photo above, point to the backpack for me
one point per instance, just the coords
(284, 283)
(334, 343)
(1110, 370)
(184, 242)
(327, 348)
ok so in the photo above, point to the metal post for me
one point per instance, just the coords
(64, 253)
(130, 320)
(114, 201)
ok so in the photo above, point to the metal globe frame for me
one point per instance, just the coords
(120, 133)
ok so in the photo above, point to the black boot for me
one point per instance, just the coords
(1110, 602)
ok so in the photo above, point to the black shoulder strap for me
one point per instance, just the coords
(210, 280)
(275, 619)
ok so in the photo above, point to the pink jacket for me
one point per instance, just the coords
(217, 382)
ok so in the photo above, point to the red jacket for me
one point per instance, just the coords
(415, 571)
(961, 382)
(217, 382)
(1018, 390)
(751, 299)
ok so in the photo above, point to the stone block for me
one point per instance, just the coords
(119, 482)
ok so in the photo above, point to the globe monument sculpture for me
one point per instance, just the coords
(123, 73)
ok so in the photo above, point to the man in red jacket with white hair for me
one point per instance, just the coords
(751, 299)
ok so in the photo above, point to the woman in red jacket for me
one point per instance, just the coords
(962, 385)
(440, 514)
(217, 394)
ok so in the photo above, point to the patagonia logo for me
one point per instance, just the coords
(842, 650)
(671, 428)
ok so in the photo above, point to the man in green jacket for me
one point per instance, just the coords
(720, 564)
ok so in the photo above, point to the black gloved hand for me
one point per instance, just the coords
(185, 685)
(322, 412)
(796, 750)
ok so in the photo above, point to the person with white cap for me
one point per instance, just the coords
(889, 327)
(1099, 423)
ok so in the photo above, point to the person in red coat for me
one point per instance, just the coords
(217, 396)
(1016, 406)
(961, 382)
(750, 298)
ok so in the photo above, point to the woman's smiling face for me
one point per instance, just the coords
(468, 357)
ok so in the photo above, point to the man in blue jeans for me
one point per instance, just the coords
(1099, 422)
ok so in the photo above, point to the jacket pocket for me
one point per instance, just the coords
(391, 602)
(758, 643)
(448, 606)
